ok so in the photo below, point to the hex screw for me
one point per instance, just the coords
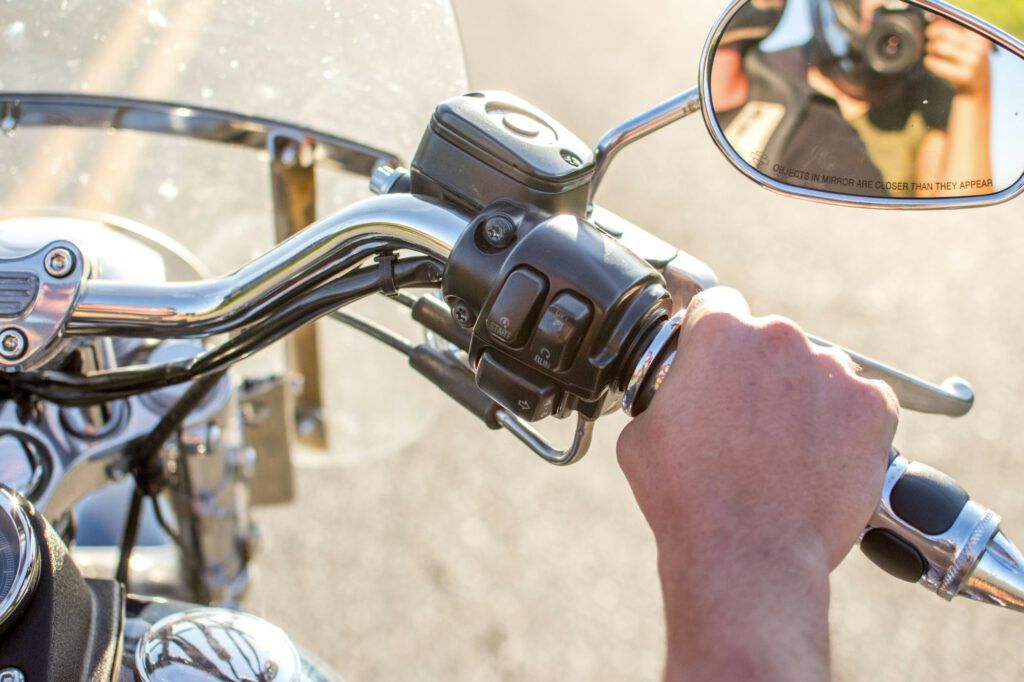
(12, 347)
(59, 262)
(462, 315)
(11, 675)
(499, 231)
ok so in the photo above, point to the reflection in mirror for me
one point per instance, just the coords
(871, 98)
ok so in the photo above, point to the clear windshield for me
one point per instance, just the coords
(365, 70)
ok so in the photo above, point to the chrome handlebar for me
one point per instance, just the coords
(324, 249)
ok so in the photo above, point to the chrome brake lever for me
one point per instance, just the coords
(687, 276)
(954, 397)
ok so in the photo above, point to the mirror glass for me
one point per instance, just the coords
(868, 98)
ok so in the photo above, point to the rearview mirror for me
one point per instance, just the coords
(867, 102)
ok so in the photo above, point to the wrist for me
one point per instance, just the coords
(746, 612)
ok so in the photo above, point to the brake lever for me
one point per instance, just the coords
(686, 276)
(954, 397)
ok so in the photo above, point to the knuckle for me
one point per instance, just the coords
(780, 333)
(877, 401)
(835, 360)
(716, 324)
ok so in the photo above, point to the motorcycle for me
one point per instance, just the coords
(122, 410)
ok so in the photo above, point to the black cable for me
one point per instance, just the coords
(371, 328)
(405, 299)
(131, 530)
(162, 520)
(148, 447)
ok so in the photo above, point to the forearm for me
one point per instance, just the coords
(749, 616)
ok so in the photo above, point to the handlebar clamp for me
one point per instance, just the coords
(38, 292)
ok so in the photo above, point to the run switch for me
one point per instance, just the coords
(560, 332)
(516, 307)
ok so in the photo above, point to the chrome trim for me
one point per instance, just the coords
(637, 128)
(199, 308)
(998, 577)
(47, 309)
(952, 555)
(582, 437)
(27, 571)
(41, 109)
(216, 644)
(667, 333)
(994, 34)
(968, 556)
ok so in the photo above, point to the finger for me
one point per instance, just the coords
(721, 300)
(838, 358)
(948, 50)
(892, 417)
(717, 302)
(954, 34)
(945, 69)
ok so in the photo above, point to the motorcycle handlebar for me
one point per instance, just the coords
(326, 249)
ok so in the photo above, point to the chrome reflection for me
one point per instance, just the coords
(216, 644)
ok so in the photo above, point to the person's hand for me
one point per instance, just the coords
(959, 56)
(757, 465)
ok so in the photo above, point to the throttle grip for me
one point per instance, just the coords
(926, 528)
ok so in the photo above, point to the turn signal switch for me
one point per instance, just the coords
(926, 529)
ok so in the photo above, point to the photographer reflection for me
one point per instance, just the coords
(884, 100)
(774, 120)
(916, 89)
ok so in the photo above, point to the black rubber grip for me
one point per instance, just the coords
(433, 314)
(927, 499)
(894, 555)
(449, 374)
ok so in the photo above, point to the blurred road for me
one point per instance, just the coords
(463, 558)
(427, 548)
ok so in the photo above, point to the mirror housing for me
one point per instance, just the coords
(867, 115)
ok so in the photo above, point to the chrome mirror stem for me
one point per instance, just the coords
(638, 127)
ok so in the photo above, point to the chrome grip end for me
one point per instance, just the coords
(926, 529)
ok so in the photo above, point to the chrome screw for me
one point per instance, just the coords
(59, 263)
(12, 347)
(11, 675)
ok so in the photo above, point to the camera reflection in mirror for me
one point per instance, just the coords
(873, 98)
